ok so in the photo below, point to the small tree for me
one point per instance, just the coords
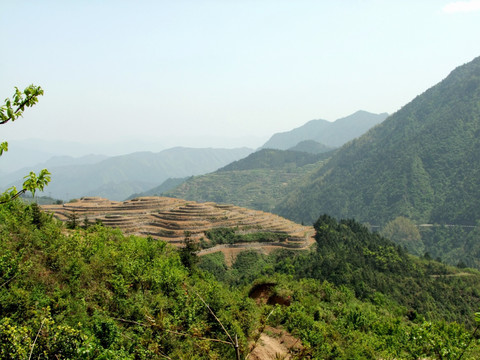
(405, 233)
(188, 253)
(72, 221)
(10, 111)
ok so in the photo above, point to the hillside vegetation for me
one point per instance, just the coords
(423, 163)
(94, 293)
(259, 181)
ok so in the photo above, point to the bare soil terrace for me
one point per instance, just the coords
(169, 218)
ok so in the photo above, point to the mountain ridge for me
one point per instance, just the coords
(331, 134)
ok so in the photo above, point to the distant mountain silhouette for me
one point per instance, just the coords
(332, 134)
(165, 186)
(118, 177)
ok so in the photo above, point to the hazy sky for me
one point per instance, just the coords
(189, 72)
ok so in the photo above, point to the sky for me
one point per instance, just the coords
(221, 73)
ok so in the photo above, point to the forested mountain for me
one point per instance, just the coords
(423, 162)
(273, 159)
(258, 181)
(331, 134)
(118, 177)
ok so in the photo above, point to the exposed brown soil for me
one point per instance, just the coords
(261, 292)
(275, 344)
(169, 218)
(264, 293)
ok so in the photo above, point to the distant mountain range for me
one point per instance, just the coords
(330, 134)
(118, 177)
(164, 187)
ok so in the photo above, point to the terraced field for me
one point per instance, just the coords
(169, 218)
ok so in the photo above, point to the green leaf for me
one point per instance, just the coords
(3, 147)
(33, 182)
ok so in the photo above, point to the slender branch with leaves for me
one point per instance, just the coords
(10, 111)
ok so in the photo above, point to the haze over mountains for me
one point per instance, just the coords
(118, 177)
(259, 181)
(422, 162)
(143, 173)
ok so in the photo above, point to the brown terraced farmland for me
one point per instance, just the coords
(169, 219)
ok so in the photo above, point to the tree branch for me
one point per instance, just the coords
(216, 318)
(23, 191)
(172, 331)
(6, 282)
(36, 337)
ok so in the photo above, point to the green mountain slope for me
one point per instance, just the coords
(332, 134)
(259, 181)
(423, 162)
(273, 160)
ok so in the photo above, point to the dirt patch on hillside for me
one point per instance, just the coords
(275, 344)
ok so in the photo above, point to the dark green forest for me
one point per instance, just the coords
(93, 293)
